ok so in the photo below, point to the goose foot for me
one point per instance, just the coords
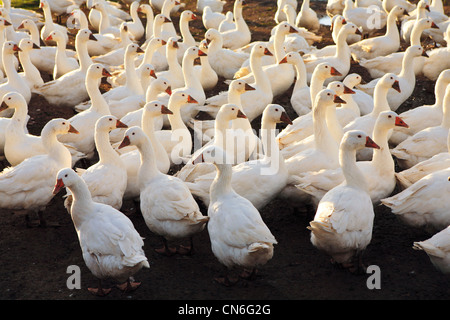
(100, 291)
(227, 281)
(186, 250)
(128, 286)
(165, 249)
(249, 275)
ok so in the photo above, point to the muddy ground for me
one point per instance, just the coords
(34, 261)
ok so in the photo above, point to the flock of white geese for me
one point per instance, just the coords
(141, 139)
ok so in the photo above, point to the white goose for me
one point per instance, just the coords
(110, 245)
(406, 77)
(211, 19)
(241, 35)
(437, 249)
(208, 77)
(295, 133)
(215, 5)
(342, 226)
(25, 188)
(105, 27)
(186, 36)
(438, 59)
(55, 91)
(19, 144)
(366, 123)
(381, 45)
(224, 61)
(424, 116)
(281, 15)
(116, 15)
(84, 142)
(106, 179)
(423, 204)
(379, 173)
(49, 26)
(253, 102)
(63, 63)
(150, 16)
(363, 17)
(172, 213)
(132, 159)
(14, 81)
(227, 23)
(135, 27)
(30, 73)
(408, 23)
(269, 172)
(229, 213)
(307, 18)
(174, 73)
(380, 65)
(427, 142)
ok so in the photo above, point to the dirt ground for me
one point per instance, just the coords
(34, 261)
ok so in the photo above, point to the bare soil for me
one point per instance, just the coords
(34, 261)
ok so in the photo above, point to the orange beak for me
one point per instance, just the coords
(284, 60)
(120, 124)
(285, 118)
(267, 52)
(199, 159)
(191, 100)
(58, 186)
(105, 73)
(347, 90)
(153, 74)
(400, 123)
(169, 90)
(240, 114)
(371, 144)
(125, 142)
(73, 130)
(334, 72)
(338, 99)
(165, 110)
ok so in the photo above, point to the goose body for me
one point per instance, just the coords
(241, 35)
(437, 249)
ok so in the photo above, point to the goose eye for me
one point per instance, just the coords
(276, 109)
(359, 136)
(110, 119)
(133, 134)
(156, 104)
(65, 176)
(232, 109)
(389, 116)
(64, 123)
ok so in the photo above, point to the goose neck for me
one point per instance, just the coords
(333, 124)
(382, 158)
(323, 139)
(8, 66)
(301, 75)
(186, 34)
(148, 168)
(82, 203)
(380, 102)
(132, 79)
(446, 109)
(106, 152)
(221, 184)
(190, 76)
(268, 137)
(261, 79)
(353, 175)
(98, 102)
(83, 55)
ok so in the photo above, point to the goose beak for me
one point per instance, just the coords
(208, 41)
(199, 159)
(371, 144)
(248, 87)
(405, 13)
(267, 52)
(167, 20)
(201, 53)
(240, 114)
(16, 48)
(285, 118)
(427, 7)
(434, 25)
(284, 60)
(92, 37)
(424, 54)
(49, 38)
(347, 90)
(139, 50)
(292, 30)
(344, 21)
(194, 17)
(153, 74)
(58, 186)
(175, 44)
(338, 99)
(358, 32)
(120, 124)
(396, 86)
(400, 123)
(334, 72)
(73, 130)
(35, 46)
(169, 90)
(191, 100)
(105, 73)
(125, 142)
(163, 42)
(3, 106)
(165, 110)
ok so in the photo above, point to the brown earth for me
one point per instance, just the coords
(34, 261)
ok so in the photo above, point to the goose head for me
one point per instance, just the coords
(133, 49)
(390, 80)
(172, 43)
(66, 177)
(97, 71)
(179, 98)
(427, 23)
(357, 140)
(60, 126)
(193, 53)
(353, 79)
(85, 35)
(203, 46)
(292, 58)
(160, 19)
(156, 108)
(4, 23)
(212, 154)
(350, 28)
(230, 111)
(324, 71)
(134, 136)
(340, 88)
(389, 120)
(27, 45)
(285, 28)
(55, 35)
(148, 70)
(276, 114)
(13, 100)
(327, 97)
(162, 85)
(145, 8)
(260, 49)
(240, 86)
(108, 123)
(100, 6)
(188, 15)
(399, 11)
(423, 5)
(337, 21)
(212, 35)
(43, 4)
(9, 47)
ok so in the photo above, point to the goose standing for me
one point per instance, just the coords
(188, 39)
(379, 172)
(211, 19)
(241, 35)
(307, 18)
(106, 179)
(84, 142)
(204, 71)
(110, 245)
(174, 74)
(364, 17)
(342, 226)
(135, 27)
(55, 91)
(215, 5)
(251, 245)
(172, 213)
(25, 188)
(30, 73)
(49, 26)
(63, 63)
